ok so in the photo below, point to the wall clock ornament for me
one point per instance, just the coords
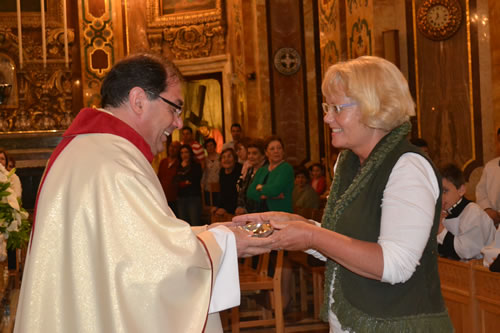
(439, 19)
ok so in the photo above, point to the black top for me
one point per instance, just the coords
(189, 179)
(228, 191)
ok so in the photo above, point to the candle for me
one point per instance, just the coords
(19, 34)
(65, 19)
(44, 46)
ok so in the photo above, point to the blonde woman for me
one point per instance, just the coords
(378, 232)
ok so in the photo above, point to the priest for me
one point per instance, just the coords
(106, 252)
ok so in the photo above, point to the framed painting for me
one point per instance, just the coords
(165, 13)
(186, 6)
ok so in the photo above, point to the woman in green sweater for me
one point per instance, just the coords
(272, 185)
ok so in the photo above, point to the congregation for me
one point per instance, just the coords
(251, 175)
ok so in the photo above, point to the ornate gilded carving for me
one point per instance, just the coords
(55, 42)
(155, 40)
(98, 48)
(350, 3)
(360, 42)
(188, 34)
(194, 41)
(44, 95)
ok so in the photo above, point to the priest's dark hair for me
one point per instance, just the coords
(148, 71)
(453, 174)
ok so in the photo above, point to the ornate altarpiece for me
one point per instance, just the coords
(40, 98)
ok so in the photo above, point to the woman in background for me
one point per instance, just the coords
(256, 159)
(304, 196)
(272, 185)
(318, 179)
(189, 194)
(210, 178)
(167, 171)
(228, 177)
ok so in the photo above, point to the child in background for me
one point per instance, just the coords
(318, 181)
(464, 228)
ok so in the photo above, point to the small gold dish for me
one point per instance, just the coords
(259, 229)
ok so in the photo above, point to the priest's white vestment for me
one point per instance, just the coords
(106, 253)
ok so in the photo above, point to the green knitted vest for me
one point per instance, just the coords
(354, 209)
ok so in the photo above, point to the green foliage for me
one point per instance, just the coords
(19, 239)
(14, 223)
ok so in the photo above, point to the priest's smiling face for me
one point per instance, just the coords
(161, 117)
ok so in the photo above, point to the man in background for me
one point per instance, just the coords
(188, 139)
(236, 134)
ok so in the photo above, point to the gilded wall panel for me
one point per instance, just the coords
(236, 45)
(99, 44)
(330, 32)
(289, 78)
(494, 38)
(359, 21)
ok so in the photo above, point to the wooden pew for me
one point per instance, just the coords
(472, 295)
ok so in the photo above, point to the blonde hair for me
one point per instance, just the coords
(378, 87)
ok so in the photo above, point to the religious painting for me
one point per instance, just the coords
(185, 6)
(203, 108)
(168, 13)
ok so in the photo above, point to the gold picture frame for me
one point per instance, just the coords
(164, 13)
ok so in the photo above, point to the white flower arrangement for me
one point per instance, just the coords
(14, 225)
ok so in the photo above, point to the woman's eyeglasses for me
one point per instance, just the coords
(335, 108)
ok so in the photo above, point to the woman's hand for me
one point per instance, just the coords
(259, 187)
(292, 235)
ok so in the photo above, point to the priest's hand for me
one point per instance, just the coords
(267, 216)
(292, 235)
(247, 245)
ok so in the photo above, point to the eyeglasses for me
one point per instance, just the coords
(177, 108)
(335, 108)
